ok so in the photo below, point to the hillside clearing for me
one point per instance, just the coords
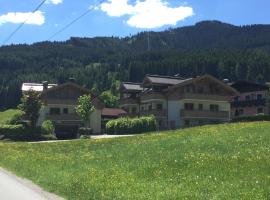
(228, 161)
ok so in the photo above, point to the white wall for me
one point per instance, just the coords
(95, 121)
(174, 108)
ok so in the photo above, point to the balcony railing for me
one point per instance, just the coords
(157, 113)
(63, 117)
(197, 114)
(152, 96)
(131, 101)
(204, 97)
(249, 103)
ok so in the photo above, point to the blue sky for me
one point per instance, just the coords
(120, 17)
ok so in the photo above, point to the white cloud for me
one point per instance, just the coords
(55, 2)
(148, 13)
(36, 18)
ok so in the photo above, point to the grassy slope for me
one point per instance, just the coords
(7, 115)
(212, 162)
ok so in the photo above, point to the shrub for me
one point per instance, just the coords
(24, 133)
(85, 131)
(47, 127)
(85, 137)
(252, 118)
(12, 131)
(131, 125)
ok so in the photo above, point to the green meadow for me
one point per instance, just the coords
(230, 161)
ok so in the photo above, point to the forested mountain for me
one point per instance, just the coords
(223, 50)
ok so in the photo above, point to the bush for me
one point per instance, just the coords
(85, 137)
(12, 131)
(252, 118)
(131, 125)
(24, 133)
(85, 131)
(47, 127)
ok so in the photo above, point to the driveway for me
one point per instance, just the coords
(15, 188)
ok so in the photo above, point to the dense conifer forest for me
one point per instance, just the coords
(223, 50)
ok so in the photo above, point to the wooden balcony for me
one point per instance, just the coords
(250, 103)
(64, 117)
(152, 96)
(129, 101)
(156, 113)
(204, 97)
(200, 114)
(60, 101)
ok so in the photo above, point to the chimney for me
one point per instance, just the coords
(45, 85)
(226, 81)
(72, 80)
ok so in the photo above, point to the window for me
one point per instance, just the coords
(190, 88)
(189, 106)
(150, 107)
(134, 110)
(159, 106)
(55, 111)
(247, 98)
(260, 111)
(236, 99)
(142, 108)
(214, 108)
(187, 123)
(241, 111)
(200, 107)
(200, 90)
(259, 96)
(65, 111)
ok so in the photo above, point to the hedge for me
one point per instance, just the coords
(131, 125)
(11, 131)
(23, 133)
(252, 118)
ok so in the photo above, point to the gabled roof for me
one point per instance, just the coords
(95, 100)
(113, 112)
(128, 86)
(188, 81)
(247, 86)
(162, 80)
(64, 85)
(38, 87)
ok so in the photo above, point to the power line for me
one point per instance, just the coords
(22, 24)
(74, 21)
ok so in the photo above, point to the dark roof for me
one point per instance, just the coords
(217, 81)
(132, 86)
(247, 86)
(164, 80)
(114, 112)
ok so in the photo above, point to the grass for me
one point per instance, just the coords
(7, 115)
(212, 162)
